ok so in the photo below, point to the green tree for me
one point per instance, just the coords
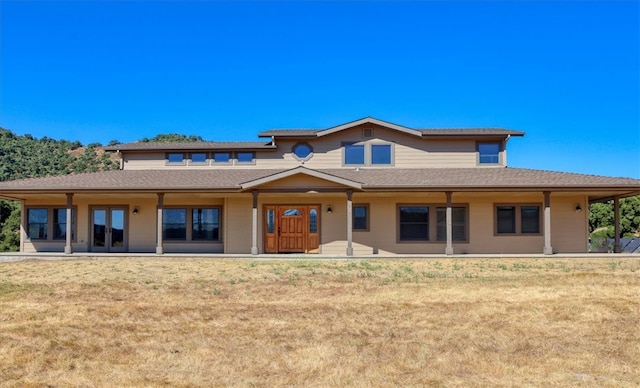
(9, 226)
(29, 157)
(171, 137)
(601, 216)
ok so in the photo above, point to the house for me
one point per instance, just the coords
(364, 187)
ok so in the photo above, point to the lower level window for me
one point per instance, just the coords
(206, 224)
(458, 223)
(360, 217)
(194, 224)
(414, 223)
(174, 224)
(49, 223)
(517, 219)
(38, 224)
(60, 224)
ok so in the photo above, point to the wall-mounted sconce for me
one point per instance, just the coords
(578, 207)
(136, 211)
(329, 209)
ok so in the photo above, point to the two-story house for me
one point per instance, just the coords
(364, 187)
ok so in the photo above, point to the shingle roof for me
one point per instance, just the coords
(230, 179)
(191, 146)
(426, 132)
(289, 133)
(469, 132)
(479, 178)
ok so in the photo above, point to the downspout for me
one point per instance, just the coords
(121, 159)
(505, 149)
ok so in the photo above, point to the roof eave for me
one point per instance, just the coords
(210, 149)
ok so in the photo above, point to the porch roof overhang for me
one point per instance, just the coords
(239, 180)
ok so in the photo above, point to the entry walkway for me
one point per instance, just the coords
(18, 256)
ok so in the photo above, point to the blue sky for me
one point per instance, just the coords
(566, 73)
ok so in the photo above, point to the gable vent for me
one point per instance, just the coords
(367, 133)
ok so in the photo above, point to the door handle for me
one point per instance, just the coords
(278, 231)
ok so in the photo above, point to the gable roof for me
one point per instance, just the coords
(424, 132)
(368, 120)
(302, 171)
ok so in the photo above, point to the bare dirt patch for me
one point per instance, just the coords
(203, 322)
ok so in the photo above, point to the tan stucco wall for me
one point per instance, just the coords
(238, 224)
(568, 227)
(409, 151)
(142, 228)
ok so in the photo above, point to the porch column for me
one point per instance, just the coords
(349, 222)
(159, 246)
(68, 249)
(449, 249)
(254, 223)
(548, 250)
(23, 224)
(616, 225)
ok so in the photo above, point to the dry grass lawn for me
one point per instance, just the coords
(206, 322)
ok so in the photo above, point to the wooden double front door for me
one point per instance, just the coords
(291, 228)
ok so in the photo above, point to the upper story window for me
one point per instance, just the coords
(245, 157)
(381, 154)
(489, 153)
(221, 157)
(302, 151)
(175, 158)
(368, 154)
(198, 157)
(354, 154)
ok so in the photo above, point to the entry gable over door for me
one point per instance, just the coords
(301, 177)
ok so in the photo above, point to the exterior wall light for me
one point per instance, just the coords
(136, 211)
(329, 209)
(578, 207)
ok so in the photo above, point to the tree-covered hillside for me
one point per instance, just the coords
(28, 157)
